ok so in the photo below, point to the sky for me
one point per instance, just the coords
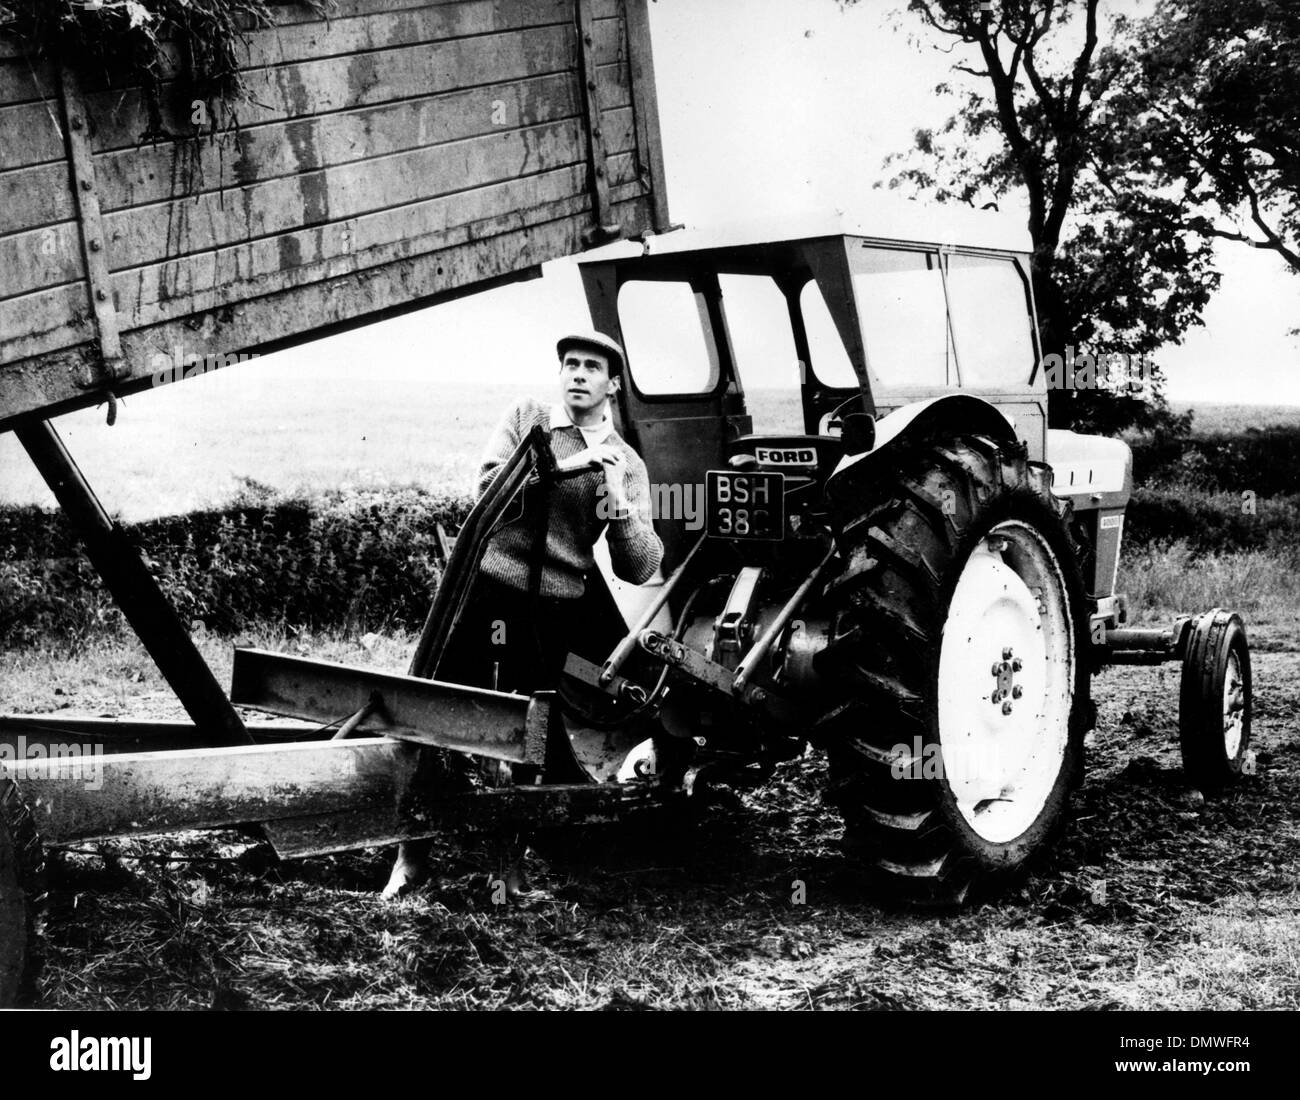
(781, 107)
(769, 108)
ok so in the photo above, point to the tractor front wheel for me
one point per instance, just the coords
(1214, 702)
(960, 638)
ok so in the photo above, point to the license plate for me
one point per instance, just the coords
(744, 506)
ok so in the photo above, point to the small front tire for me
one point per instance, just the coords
(1214, 703)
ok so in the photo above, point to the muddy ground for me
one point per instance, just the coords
(1154, 898)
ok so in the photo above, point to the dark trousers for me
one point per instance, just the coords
(502, 641)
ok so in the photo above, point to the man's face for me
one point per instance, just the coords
(584, 379)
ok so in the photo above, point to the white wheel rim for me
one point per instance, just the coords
(1234, 705)
(1001, 757)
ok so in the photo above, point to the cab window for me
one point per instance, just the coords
(830, 358)
(904, 318)
(758, 323)
(991, 323)
(667, 337)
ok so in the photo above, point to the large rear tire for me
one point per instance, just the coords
(22, 897)
(960, 637)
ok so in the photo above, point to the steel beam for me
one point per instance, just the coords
(1142, 646)
(134, 589)
(495, 724)
(119, 735)
(318, 796)
(75, 798)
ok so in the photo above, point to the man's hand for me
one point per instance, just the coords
(614, 463)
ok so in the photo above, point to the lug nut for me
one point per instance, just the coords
(1017, 692)
(1006, 708)
(1017, 665)
(1006, 654)
(997, 668)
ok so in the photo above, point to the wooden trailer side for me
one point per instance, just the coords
(398, 154)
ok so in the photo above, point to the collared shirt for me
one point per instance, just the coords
(597, 433)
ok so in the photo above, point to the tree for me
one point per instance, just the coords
(1114, 270)
(1211, 89)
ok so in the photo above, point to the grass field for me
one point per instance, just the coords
(297, 441)
(199, 444)
(1153, 898)
(225, 449)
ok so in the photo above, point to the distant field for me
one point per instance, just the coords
(174, 451)
(295, 440)
(1234, 419)
(197, 445)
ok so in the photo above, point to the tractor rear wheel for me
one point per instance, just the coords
(960, 637)
(22, 896)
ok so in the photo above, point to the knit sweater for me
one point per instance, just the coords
(578, 510)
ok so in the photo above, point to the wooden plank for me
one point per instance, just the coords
(22, 79)
(36, 196)
(120, 118)
(336, 84)
(378, 30)
(597, 151)
(298, 13)
(249, 270)
(30, 134)
(44, 322)
(645, 102)
(51, 320)
(131, 177)
(61, 376)
(56, 382)
(47, 257)
(41, 258)
(91, 226)
(177, 229)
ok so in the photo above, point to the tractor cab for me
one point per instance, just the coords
(749, 350)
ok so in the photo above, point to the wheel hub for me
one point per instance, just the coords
(1004, 674)
(1234, 705)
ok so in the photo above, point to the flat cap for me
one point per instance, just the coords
(590, 338)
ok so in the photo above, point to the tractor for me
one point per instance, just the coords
(874, 546)
(899, 564)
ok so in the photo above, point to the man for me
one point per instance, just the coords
(504, 640)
